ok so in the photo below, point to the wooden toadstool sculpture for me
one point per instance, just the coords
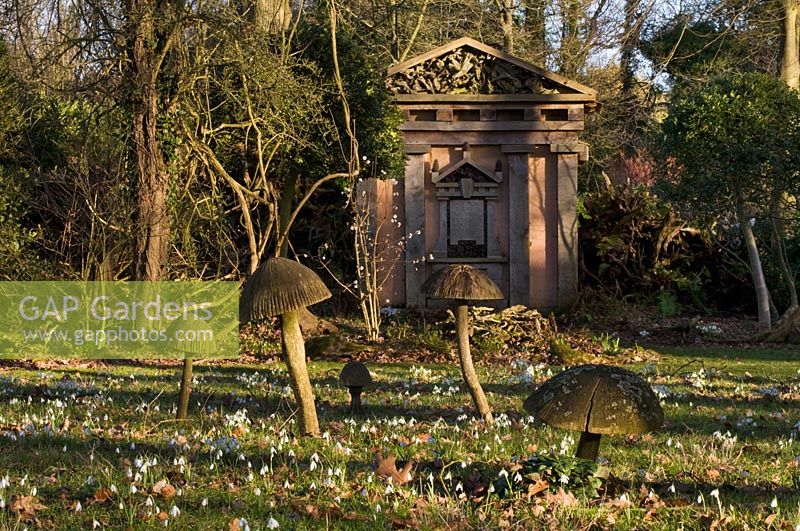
(463, 284)
(596, 400)
(199, 343)
(283, 287)
(355, 377)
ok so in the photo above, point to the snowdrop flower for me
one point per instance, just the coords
(564, 479)
(244, 525)
(204, 503)
(174, 511)
(272, 524)
(715, 493)
(774, 503)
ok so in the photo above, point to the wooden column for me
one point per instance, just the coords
(414, 188)
(518, 215)
(567, 228)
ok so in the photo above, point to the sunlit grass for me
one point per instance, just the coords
(727, 453)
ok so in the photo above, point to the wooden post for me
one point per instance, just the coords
(415, 221)
(518, 241)
(567, 229)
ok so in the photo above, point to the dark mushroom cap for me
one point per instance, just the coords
(598, 399)
(201, 342)
(280, 285)
(461, 282)
(355, 374)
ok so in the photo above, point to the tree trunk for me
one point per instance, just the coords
(762, 293)
(790, 44)
(535, 28)
(272, 16)
(467, 369)
(778, 234)
(153, 224)
(186, 389)
(786, 330)
(294, 351)
(506, 8)
(629, 45)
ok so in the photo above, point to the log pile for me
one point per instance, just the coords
(467, 71)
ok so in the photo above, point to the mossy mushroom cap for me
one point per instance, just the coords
(355, 374)
(280, 285)
(461, 282)
(199, 342)
(597, 399)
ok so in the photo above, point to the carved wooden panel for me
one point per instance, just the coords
(469, 71)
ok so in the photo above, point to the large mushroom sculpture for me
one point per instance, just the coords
(596, 400)
(462, 284)
(284, 287)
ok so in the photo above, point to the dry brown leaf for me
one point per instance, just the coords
(537, 487)
(235, 525)
(102, 495)
(562, 498)
(162, 516)
(163, 488)
(25, 507)
(386, 467)
(771, 518)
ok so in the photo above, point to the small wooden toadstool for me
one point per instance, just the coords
(283, 287)
(355, 377)
(596, 400)
(463, 284)
(200, 342)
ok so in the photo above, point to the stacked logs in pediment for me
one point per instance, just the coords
(467, 71)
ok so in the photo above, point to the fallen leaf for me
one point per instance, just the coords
(102, 495)
(771, 518)
(537, 487)
(164, 489)
(235, 525)
(25, 507)
(562, 498)
(162, 516)
(386, 467)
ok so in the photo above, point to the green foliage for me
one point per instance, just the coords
(668, 304)
(634, 243)
(696, 49)
(732, 139)
(573, 474)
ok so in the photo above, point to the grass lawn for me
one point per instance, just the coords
(727, 457)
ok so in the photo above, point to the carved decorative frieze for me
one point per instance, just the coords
(469, 71)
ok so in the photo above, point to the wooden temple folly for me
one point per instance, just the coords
(491, 177)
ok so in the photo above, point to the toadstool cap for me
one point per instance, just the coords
(597, 399)
(280, 285)
(461, 282)
(355, 374)
(201, 342)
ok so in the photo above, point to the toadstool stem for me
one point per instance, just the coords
(355, 400)
(186, 389)
(467, 369)
(295, 352)
(588, 446)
